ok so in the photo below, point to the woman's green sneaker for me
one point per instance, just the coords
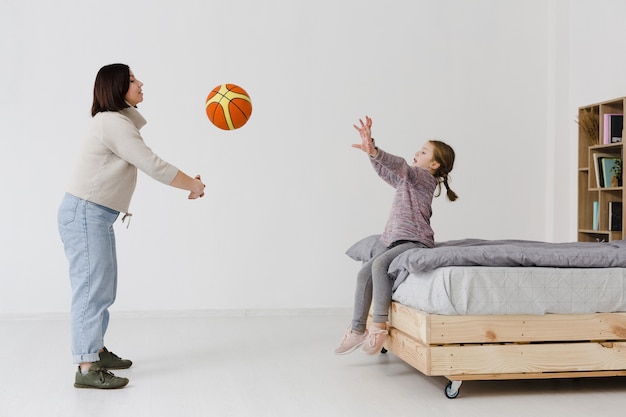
(110, 360)
(98, 377)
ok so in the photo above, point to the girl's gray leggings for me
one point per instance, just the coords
(373, 281)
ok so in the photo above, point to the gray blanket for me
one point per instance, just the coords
(514, 253)
(472, 252)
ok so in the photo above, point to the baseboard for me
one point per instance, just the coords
(260, 312)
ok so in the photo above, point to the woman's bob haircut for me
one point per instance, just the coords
(110, 88)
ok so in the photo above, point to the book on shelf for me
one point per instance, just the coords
(597, 164)
(595, 215)
(617, 126)
(613, 125)
(615, 216)
(608, 169)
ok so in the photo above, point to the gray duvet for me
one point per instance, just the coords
(474, 252)
(509, 253)
(480, 252)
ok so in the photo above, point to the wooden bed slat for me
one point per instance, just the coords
(438, 329)
(538, 375)
(525, 358)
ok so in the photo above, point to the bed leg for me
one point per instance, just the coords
(452, 389)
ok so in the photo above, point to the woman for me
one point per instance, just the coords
(100, 189)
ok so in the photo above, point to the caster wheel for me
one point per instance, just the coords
(452, 389)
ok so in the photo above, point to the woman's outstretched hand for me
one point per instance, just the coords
(199, 189)
(367, 143)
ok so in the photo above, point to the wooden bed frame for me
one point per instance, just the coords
(488, 347)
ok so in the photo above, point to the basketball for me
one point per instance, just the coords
(228, 106)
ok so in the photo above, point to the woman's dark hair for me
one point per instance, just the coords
(110, 88)
(444, 154)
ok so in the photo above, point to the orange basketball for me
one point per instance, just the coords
(228, 106)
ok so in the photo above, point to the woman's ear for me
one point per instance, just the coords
(434, 166)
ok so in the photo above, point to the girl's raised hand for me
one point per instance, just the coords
(367, 143)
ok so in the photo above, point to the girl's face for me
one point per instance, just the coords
(134, 95)
(425, 158)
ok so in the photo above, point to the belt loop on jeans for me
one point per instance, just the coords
(127, 215)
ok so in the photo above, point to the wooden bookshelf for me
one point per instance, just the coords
(591, 147)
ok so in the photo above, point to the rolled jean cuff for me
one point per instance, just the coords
(86, 357)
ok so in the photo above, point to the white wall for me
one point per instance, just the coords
(286, 194)
(598, 58)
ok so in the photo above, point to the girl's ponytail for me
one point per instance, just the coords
(451, 194)
(444, 154)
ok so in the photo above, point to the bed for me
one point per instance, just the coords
(478, 310)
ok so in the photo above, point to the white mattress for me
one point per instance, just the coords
(471, 290)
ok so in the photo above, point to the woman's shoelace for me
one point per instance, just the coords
(104, 373)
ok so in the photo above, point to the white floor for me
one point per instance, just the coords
(190, 366)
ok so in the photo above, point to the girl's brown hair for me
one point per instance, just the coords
(444, 154)
(110, 88)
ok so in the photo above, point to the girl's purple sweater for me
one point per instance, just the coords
(412, 204)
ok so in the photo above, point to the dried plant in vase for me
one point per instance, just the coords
(590, 124)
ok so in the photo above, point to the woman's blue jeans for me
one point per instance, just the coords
(86, 230)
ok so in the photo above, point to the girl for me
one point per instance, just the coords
(101, 187)
(408, 227)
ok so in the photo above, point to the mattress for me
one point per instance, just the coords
(476, 290)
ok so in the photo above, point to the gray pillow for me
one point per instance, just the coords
(366, 248)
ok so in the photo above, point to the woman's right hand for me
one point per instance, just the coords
(198, 189)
